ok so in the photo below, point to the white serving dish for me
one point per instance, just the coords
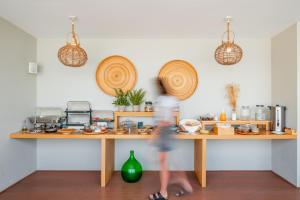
(190, 125)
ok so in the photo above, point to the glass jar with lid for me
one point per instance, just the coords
(268, 113)
(260, 113)
(148, 106)
(245, 113)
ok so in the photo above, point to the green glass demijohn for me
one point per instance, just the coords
(131, 170)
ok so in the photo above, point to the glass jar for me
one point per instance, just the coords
(223, 116)
(245, 113)
(268, 113)
(148, 106)
(260, 113)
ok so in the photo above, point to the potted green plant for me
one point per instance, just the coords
(136, 98)
(121, 100)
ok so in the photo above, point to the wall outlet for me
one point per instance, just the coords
(32, 68)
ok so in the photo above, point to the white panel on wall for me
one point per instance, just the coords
(298, 102)
(284, 159)
(149, 55)
(18, 100)
(239, 155)
(68, 155)
(284, 92)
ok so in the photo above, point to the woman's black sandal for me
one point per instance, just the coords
(157, 196)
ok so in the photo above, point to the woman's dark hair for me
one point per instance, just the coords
(161, 87)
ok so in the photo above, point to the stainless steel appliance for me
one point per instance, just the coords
(278, 119)
(78, 114)
(47, 119)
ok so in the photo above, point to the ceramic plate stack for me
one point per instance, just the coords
(116, 72)
(180, 78)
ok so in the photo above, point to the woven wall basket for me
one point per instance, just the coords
(116, 72)
(181, 78)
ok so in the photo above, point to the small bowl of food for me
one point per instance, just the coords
(143, 131)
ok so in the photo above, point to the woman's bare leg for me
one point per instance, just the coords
(164, 174)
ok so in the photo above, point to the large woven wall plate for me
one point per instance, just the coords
(181, 78)
(116, 72)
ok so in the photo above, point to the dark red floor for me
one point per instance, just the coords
(78, 185)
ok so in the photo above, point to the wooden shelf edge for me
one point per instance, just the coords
(52, 136)
(138, 114)
(266, 136)
(237, 122)
(129, 113)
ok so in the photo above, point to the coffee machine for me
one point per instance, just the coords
(278, 119)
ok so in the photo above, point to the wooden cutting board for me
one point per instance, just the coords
(180, 78)
(116, 72)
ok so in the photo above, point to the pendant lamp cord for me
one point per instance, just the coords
(228, 30)
(73, 32)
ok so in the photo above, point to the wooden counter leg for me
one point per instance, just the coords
(268, 125)
(107, 160)
(200, 161)
(116, 121)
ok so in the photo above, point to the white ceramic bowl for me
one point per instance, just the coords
(190, 125)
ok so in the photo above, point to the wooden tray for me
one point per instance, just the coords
(66, 131)
(248, 133)
(116, 72)
(94, 133)
(180, 77)
(119, 132)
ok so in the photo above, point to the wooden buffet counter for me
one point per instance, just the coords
(108, 147)
(267, 135)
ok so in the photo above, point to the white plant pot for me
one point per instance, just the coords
(121, 108)
(136, 108)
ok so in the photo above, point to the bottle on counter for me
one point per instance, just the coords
(233, 115)
(24, 127)
(223, 116)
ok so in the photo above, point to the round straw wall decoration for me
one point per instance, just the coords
(116, 72)
(180, 78)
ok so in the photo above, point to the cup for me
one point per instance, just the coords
(140, 125)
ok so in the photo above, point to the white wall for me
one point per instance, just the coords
(57, 84)
(298, 102)
(284, 92)
(18, 99)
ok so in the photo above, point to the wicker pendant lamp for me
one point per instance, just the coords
(72, 54)
(228, 53)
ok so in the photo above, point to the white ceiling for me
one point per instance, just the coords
(151, 18)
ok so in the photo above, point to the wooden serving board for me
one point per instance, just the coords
(95, 133)
(249, 133)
